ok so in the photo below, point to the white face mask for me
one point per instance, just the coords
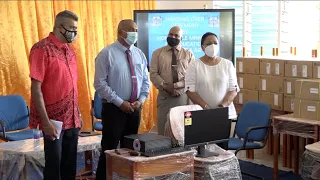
(132, 38)
(212, 50)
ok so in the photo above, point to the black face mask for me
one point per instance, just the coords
(69, 35)
(172, 41)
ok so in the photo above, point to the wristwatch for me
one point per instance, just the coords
(220, 105)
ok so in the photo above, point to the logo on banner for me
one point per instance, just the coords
(213, 22)
(156, 21)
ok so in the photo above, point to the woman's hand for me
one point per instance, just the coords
(229, 97)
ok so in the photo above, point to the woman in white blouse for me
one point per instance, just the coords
(211, 81)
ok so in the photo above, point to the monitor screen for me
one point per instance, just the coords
(154, 26)
(206, 126)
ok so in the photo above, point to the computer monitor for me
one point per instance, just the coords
(205, 127)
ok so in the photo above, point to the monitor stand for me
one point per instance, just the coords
(203, 152)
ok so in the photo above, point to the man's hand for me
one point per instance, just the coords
(81, 122)
(136, 105)
(126, 107)
(177, 92)
(50, 131)
(169, 88)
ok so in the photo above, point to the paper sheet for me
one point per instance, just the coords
(58, 125)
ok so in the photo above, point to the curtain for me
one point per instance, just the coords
(23, 23)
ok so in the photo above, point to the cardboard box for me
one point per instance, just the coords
(248, 65)
(273, 67)
(298, 68)
(316, 70)
(306, 109)
(289, 85)
(271, 83)
(246, 95)
(274, 99)
(308, 89)
(248, 81)
(288, 102)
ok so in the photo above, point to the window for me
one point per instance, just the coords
(273, 24)
(303, 27)
(247, 27)
(284, 29)
(237, 5)
(264, 26)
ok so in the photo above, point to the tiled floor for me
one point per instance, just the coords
(261, 157)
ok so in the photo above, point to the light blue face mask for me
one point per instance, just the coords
(132, 38)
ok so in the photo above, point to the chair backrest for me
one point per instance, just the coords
(253, 114)
(14, 112)
(176, 120)
(97, 106)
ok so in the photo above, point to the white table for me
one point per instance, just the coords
(311, 161)
(223, 167)
(25, 159)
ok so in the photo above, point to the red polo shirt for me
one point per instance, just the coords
(54, 64)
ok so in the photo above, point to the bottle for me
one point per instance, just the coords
(36, 137)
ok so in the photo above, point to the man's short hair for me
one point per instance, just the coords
(63, 15)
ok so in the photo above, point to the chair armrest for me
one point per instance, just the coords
(249, 130)
(3, 125)
(255, 128)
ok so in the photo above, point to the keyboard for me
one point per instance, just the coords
(164, 152)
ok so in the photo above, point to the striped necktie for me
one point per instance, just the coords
(134, 82)
(174, 67)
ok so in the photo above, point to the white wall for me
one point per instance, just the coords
(188, 4)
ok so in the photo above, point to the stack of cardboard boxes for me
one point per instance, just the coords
(307, 99)
(248, 80)
(273, 80)
(271, 86)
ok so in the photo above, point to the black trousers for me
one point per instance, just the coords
(116, 125)
(61, 156)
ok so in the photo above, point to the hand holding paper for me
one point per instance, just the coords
(58, 125)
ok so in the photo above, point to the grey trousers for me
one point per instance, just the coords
(164, 103)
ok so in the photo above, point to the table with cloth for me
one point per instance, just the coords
(224, 166)
(25, 159)
(174, 166)
(311, 162)
(297, 127)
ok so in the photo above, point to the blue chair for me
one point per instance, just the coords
(14, 119)
(96, 112)
(252, 127)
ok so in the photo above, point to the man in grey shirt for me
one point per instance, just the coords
(122, 82)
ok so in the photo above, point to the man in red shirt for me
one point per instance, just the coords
(54, 96)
